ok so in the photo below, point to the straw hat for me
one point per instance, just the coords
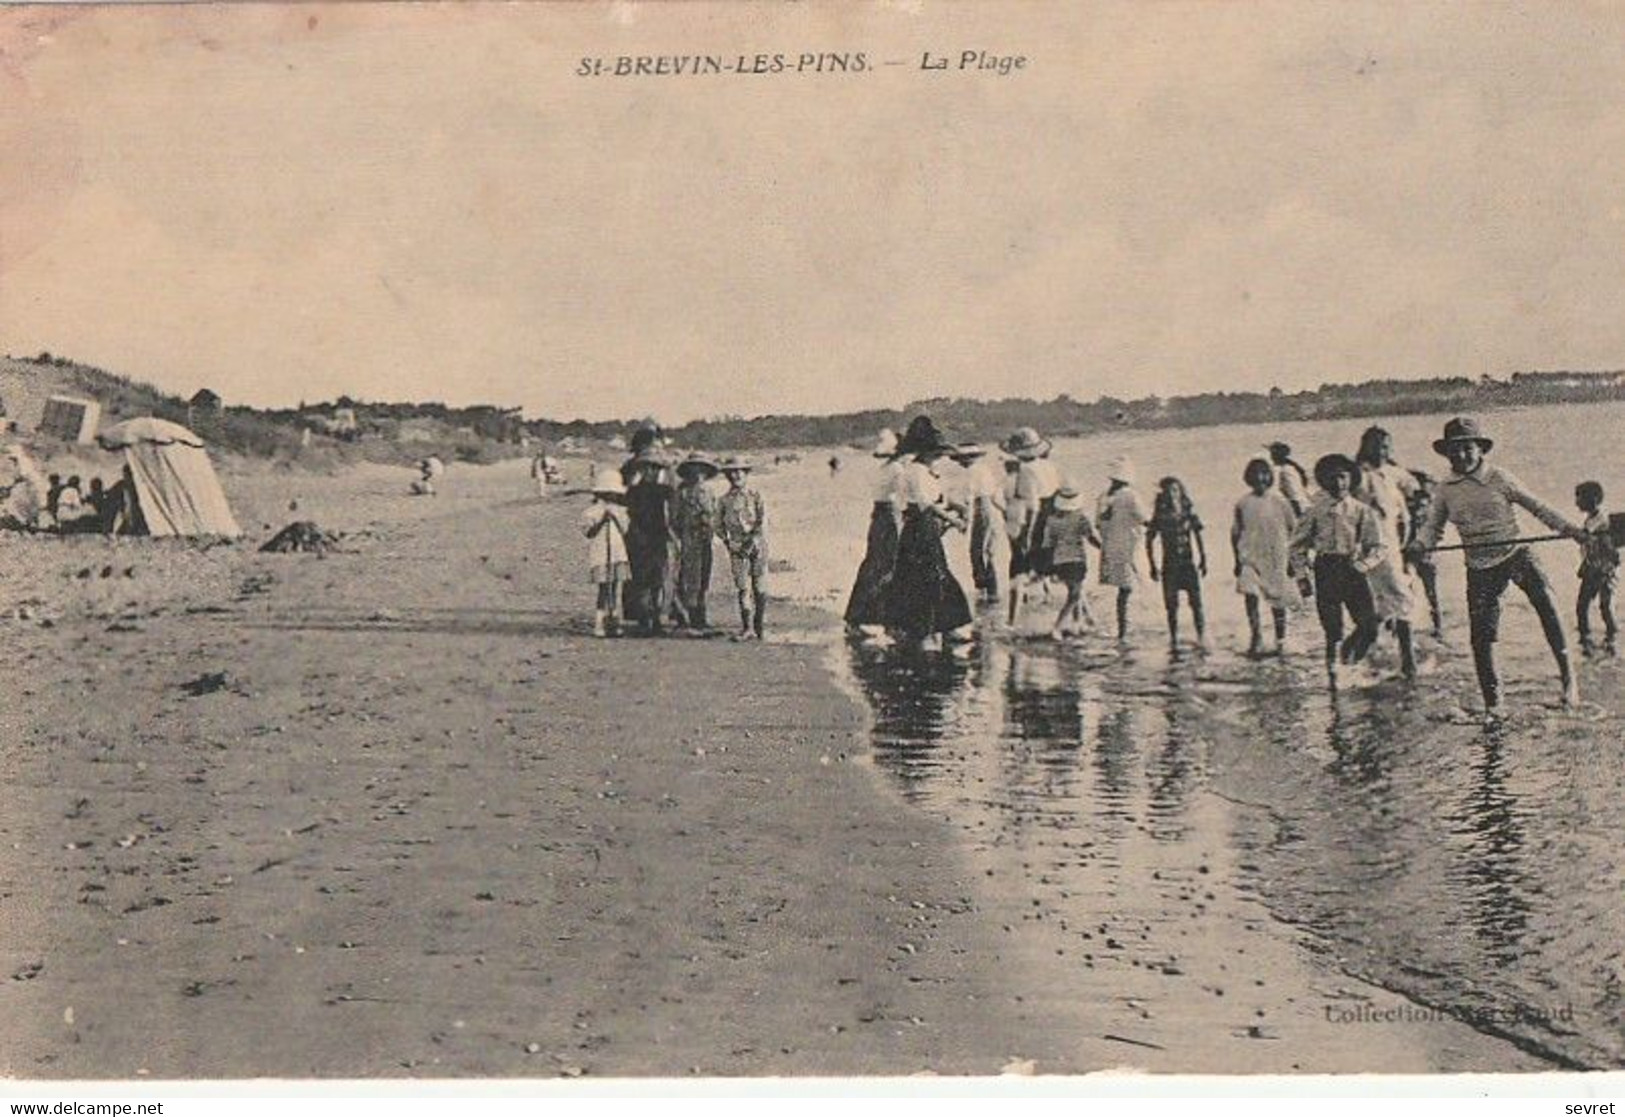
(1068, 499)
(697, 462)
(1459, 430)
(1027, 444)
(969, 451)
(608, 483)
(1120, 469)
(885, 444)
(735, 464)
(1332, 464)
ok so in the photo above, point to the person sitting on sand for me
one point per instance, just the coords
(1068, 535)
(1175, 522)
(1599, 571)
(1341, 532)
(604, 524)
(1479, 500)
(70, 504)
(742, 526)
(1261, 537)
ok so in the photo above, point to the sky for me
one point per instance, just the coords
(425, 202)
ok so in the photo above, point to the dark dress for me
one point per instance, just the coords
(925, 598)
(649, 551)
(867, 604)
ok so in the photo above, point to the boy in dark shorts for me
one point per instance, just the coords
(1342, 533)
(1479, 499)
(1599, 570)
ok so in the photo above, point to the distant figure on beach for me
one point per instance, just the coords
(604, 524)
(429, 470)
(1599, 570)
(1121, 517)
(1068, 535)
(925, 601)
(989, 545)
(1261, 538)
(53, 495)
(1176, 525)
(866, 605)
(694, 518)
(1479, 499)
(742, 526)
(834, 465)
(1420, 562)
(651, 542)
(1341, 533)
(1387, 489)
(1290, 477)
(1037, 479)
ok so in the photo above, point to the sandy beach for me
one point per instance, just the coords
(393, 812)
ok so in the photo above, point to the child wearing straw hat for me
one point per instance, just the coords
(1122, 520)
(604, 524)
(1068, 535)
(1343, 535)
(1479, 499)
(694, 519)
(742, 526)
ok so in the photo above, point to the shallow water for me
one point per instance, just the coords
(1477, 872)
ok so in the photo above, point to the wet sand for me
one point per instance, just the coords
(394, 813)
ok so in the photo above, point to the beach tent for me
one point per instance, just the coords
(175, 484)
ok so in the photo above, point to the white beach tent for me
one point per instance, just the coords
(175, 483)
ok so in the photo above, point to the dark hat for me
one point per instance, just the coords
(1332, 464)
(923, 437)
(1462, 429)
(735, 464)
(1279, 449)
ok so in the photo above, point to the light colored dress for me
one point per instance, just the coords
(1386, 489)
(1120, 518)
(1263, 533)
(606, 550)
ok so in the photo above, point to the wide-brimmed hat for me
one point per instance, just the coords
(1027, 444)
(1068, 499)
(1120, 469)
(697, 462)
(735, 464)
(923, 437)
(1462, 429)
(608, 483)
(965, 451)
(885, 443)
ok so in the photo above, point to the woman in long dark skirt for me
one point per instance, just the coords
(925, 600)
(866, 607)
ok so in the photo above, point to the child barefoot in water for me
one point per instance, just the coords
(1175, 522)
(1599, 570)
(1068, 534)
(604, 524)
(1121, 517)
(1478, 498)
(1421, 563)
(1261, 537)
(1342, 534)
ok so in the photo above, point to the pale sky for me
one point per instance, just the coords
(425, 202)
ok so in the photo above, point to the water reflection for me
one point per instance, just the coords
(1422, 855)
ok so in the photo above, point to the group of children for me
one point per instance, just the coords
(1353, 546)
(650, 542)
